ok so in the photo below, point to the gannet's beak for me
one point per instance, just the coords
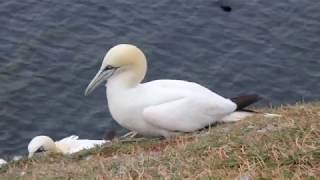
(100, 77)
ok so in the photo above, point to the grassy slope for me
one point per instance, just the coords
(281, 148)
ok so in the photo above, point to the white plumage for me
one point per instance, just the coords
(3, 162)
(73, 144)
(160, 107)
(68, 145)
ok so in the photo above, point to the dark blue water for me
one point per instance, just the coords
(50, 50)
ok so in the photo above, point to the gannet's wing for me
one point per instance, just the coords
(177, 85)
(69, 138)
(189, 113)
(73, 144)
(86, 144)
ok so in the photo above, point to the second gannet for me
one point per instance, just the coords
(3, 162)
(160, 107)
(68, 145)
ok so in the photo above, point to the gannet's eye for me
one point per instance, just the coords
(108, 68)
(41, 149)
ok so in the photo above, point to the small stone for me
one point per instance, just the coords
(88, 158)
(245, 177)
(270, 127)
(16, 158)
(251, 127)
(263, 130)
(226, 129)
(115, 157)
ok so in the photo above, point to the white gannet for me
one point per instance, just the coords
(160, 107)
(66, 145)
(3, 162)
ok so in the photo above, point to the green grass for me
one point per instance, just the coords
(285, 148)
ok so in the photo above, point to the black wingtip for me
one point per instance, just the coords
(245, 100)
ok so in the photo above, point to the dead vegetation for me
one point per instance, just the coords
(258, 147)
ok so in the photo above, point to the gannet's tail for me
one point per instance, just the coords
(240, 113)
(245, 100)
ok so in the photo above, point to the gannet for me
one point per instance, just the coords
(3, 162)
(68, 145)
(160, 107)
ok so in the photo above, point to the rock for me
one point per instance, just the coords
(22, 173)
(251, 127)
(16, 158)
(226, 129)
(270, 127)
(88, 158)
(263, 130)
(245, 177)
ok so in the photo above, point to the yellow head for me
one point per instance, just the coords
(123, 60)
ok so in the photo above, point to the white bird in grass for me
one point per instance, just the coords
(160, 107)
(66, 145)
(3, 162)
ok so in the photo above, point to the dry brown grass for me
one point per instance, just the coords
(259, 147)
